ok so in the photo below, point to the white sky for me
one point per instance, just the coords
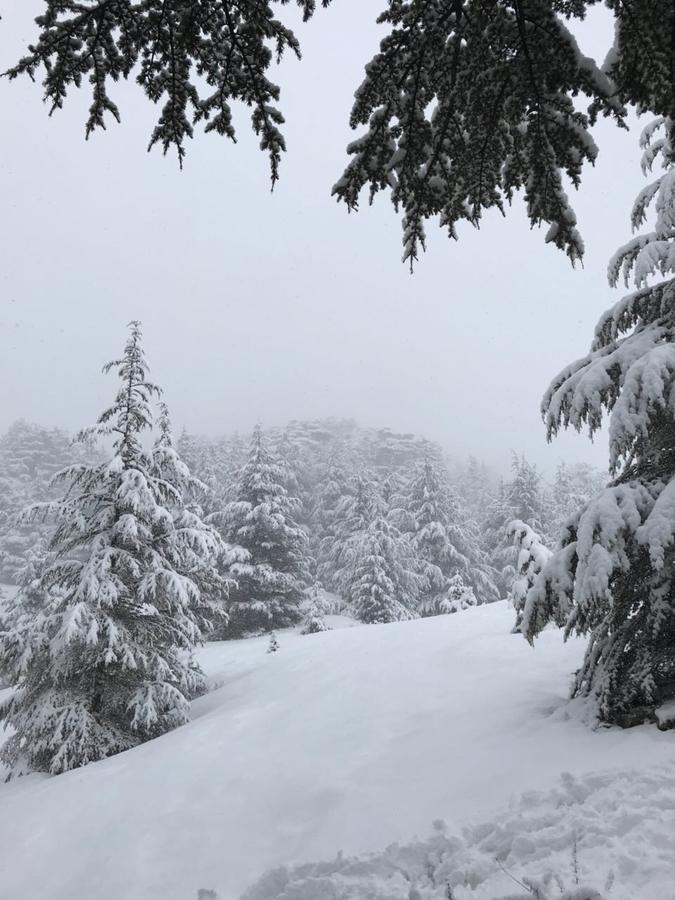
(260, 307)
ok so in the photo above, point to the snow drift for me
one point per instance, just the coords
(613, 833)
(345, 740)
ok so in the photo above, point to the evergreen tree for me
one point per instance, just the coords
(107, 663)
(525, 493)
(442, 537)
(520, 499)
(475, 483)
(261, 520)
(383, 586)
(499, 550)
(332, 488)
(433, 520)
(361, 506)
(392, 485)
(230, 455)
(481, 576)
(613, 576)
(313, 621)
(458, 596)
(294, 475)
(327, 514)
(191, 450)
(353, 516)
(211, 469)
(425, 516)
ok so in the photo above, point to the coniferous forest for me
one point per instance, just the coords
(323, 509)
(286, 654)
(140, 545)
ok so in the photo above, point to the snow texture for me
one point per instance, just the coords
(610, 832)
(350, 739)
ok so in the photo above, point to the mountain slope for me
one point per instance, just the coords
(345, 740)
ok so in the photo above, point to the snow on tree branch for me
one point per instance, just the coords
(613, 576)
(469, 102)
(192, 59)
(532, 557)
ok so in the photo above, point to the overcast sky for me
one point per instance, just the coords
(260, 307)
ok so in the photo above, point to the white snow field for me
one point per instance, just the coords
(597, 836)
(349, 740)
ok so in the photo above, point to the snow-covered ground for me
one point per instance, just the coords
(346, 740)
(607, 835)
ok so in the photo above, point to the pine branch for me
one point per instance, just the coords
(175, 47)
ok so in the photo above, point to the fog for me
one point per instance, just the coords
(262, 307)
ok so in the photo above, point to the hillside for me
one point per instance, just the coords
(345, 740)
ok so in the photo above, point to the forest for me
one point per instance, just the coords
(349, 507)
(337, 609)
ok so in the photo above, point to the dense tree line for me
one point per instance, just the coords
(30, 455)
(466, 104)
(129, 548)
(324, 503)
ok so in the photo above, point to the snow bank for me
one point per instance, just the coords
(350, 739)
(612, 832)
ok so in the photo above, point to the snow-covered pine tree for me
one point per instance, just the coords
(424, 515)
(613, 577)
(207, 464)
(474, 482)
(330, 492)
(362, 505)
(382, 582)
(108, 663)
(313, 621)
(269, 585)
(442, 537)
(226, 457)
(520, 499)
(293, 460)
(458, 596)
(499, 551)
(481, 576)
(525, 492)
(191, 450)
(354, 513)
(532, 556)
